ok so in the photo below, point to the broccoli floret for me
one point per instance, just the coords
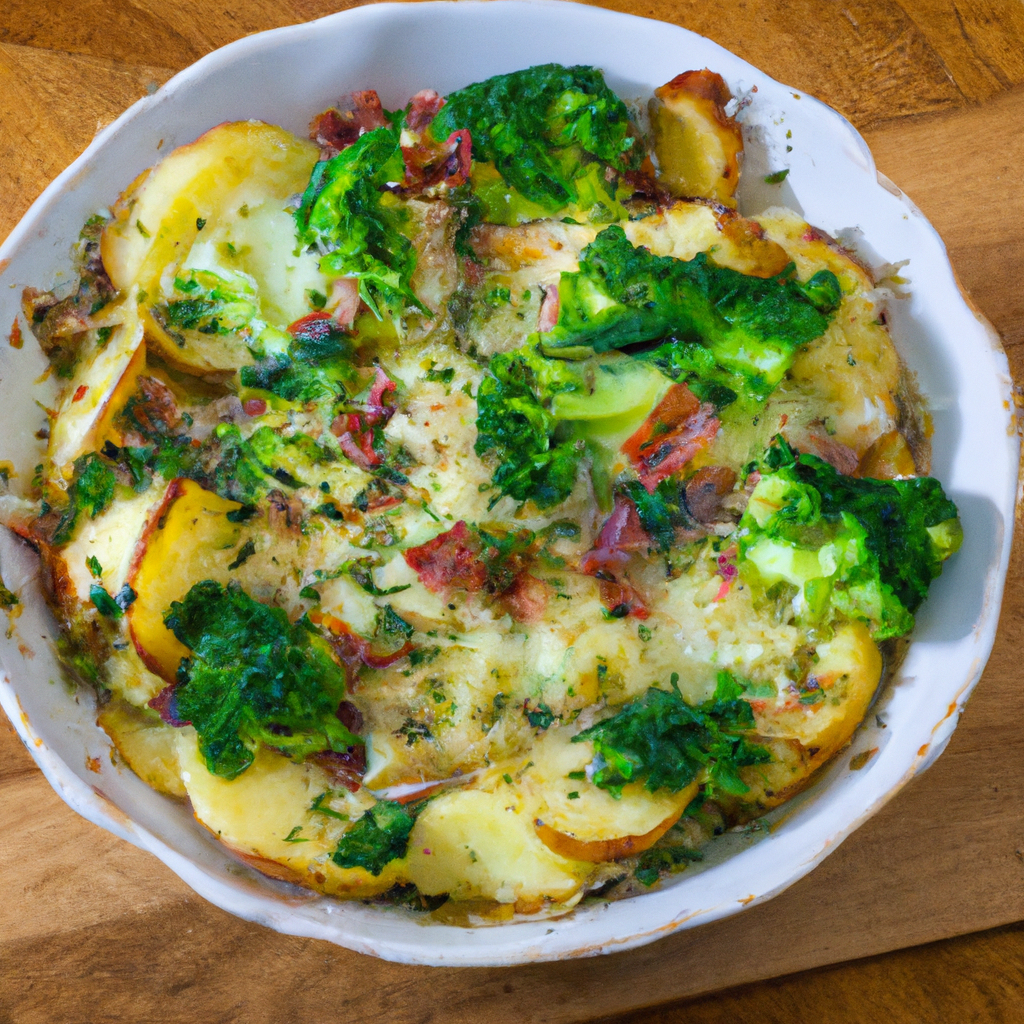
(549, 132)
(541, 416)
(210, 304)
(514, 423)
(665, 743)
(346, 214)
(859, 548)
(311, 364)
(253, 678)
(380, 836)
(624, 296)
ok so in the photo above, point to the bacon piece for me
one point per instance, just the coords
(549, 309)
(312, 327)
(166, 706)
(621, 534)
(839, 456)
(622, 599)
(451, 559)
(343, 303)
(375, 406)
(344, 767)
(668, 439)
(705, 490)
(157, 412)
(353, 649)
(423, 108)
(526, 599)
(428, 163)
(361, 454)
(369, 112)
(333, 131)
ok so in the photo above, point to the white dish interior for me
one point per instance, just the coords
(287, 75)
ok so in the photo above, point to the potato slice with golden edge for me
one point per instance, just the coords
(110, 538)
(577, 819)
(199, 192)
(102, 384)
(889, 458)
(473, 844)
(266, 817)
(847, 674)
(147, 744)
(188, 538)
(696, 143)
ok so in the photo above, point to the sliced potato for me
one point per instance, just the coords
(697, 145)
(98, 391)
(266, 817)
(188, 538)
(847, 674)
(473, 844)
(191, 214)
(147, 744)
(888, 458)
(110, 538)
(579, 820)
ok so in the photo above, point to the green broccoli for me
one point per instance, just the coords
(377, 838)
(662, 741)
(540, 416)
(752, 326)
(347, 214)
(312, 365)
(210, 303)
(253, 678)
(549, 132)
(859, 548)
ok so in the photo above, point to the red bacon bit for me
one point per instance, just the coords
(622, 600)
(675, 431)
(166, 707)
(423, 108)
(705, 491)
(158, 410)
(254, 407)
(368, 112)
(361, 454)
(549, 309)
(837, 455)
(621, 534)
(312, 327)
(428, 163)
(343, 305)
(526, 599)
(15, 337)
(451, 559)
(346, 767)
(333, 131)
(80, 392)
(375, 400)
(353, 649)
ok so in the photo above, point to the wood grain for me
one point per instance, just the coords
(978, 978)
(92, 929)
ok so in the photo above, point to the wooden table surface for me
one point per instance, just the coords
(93, 930)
